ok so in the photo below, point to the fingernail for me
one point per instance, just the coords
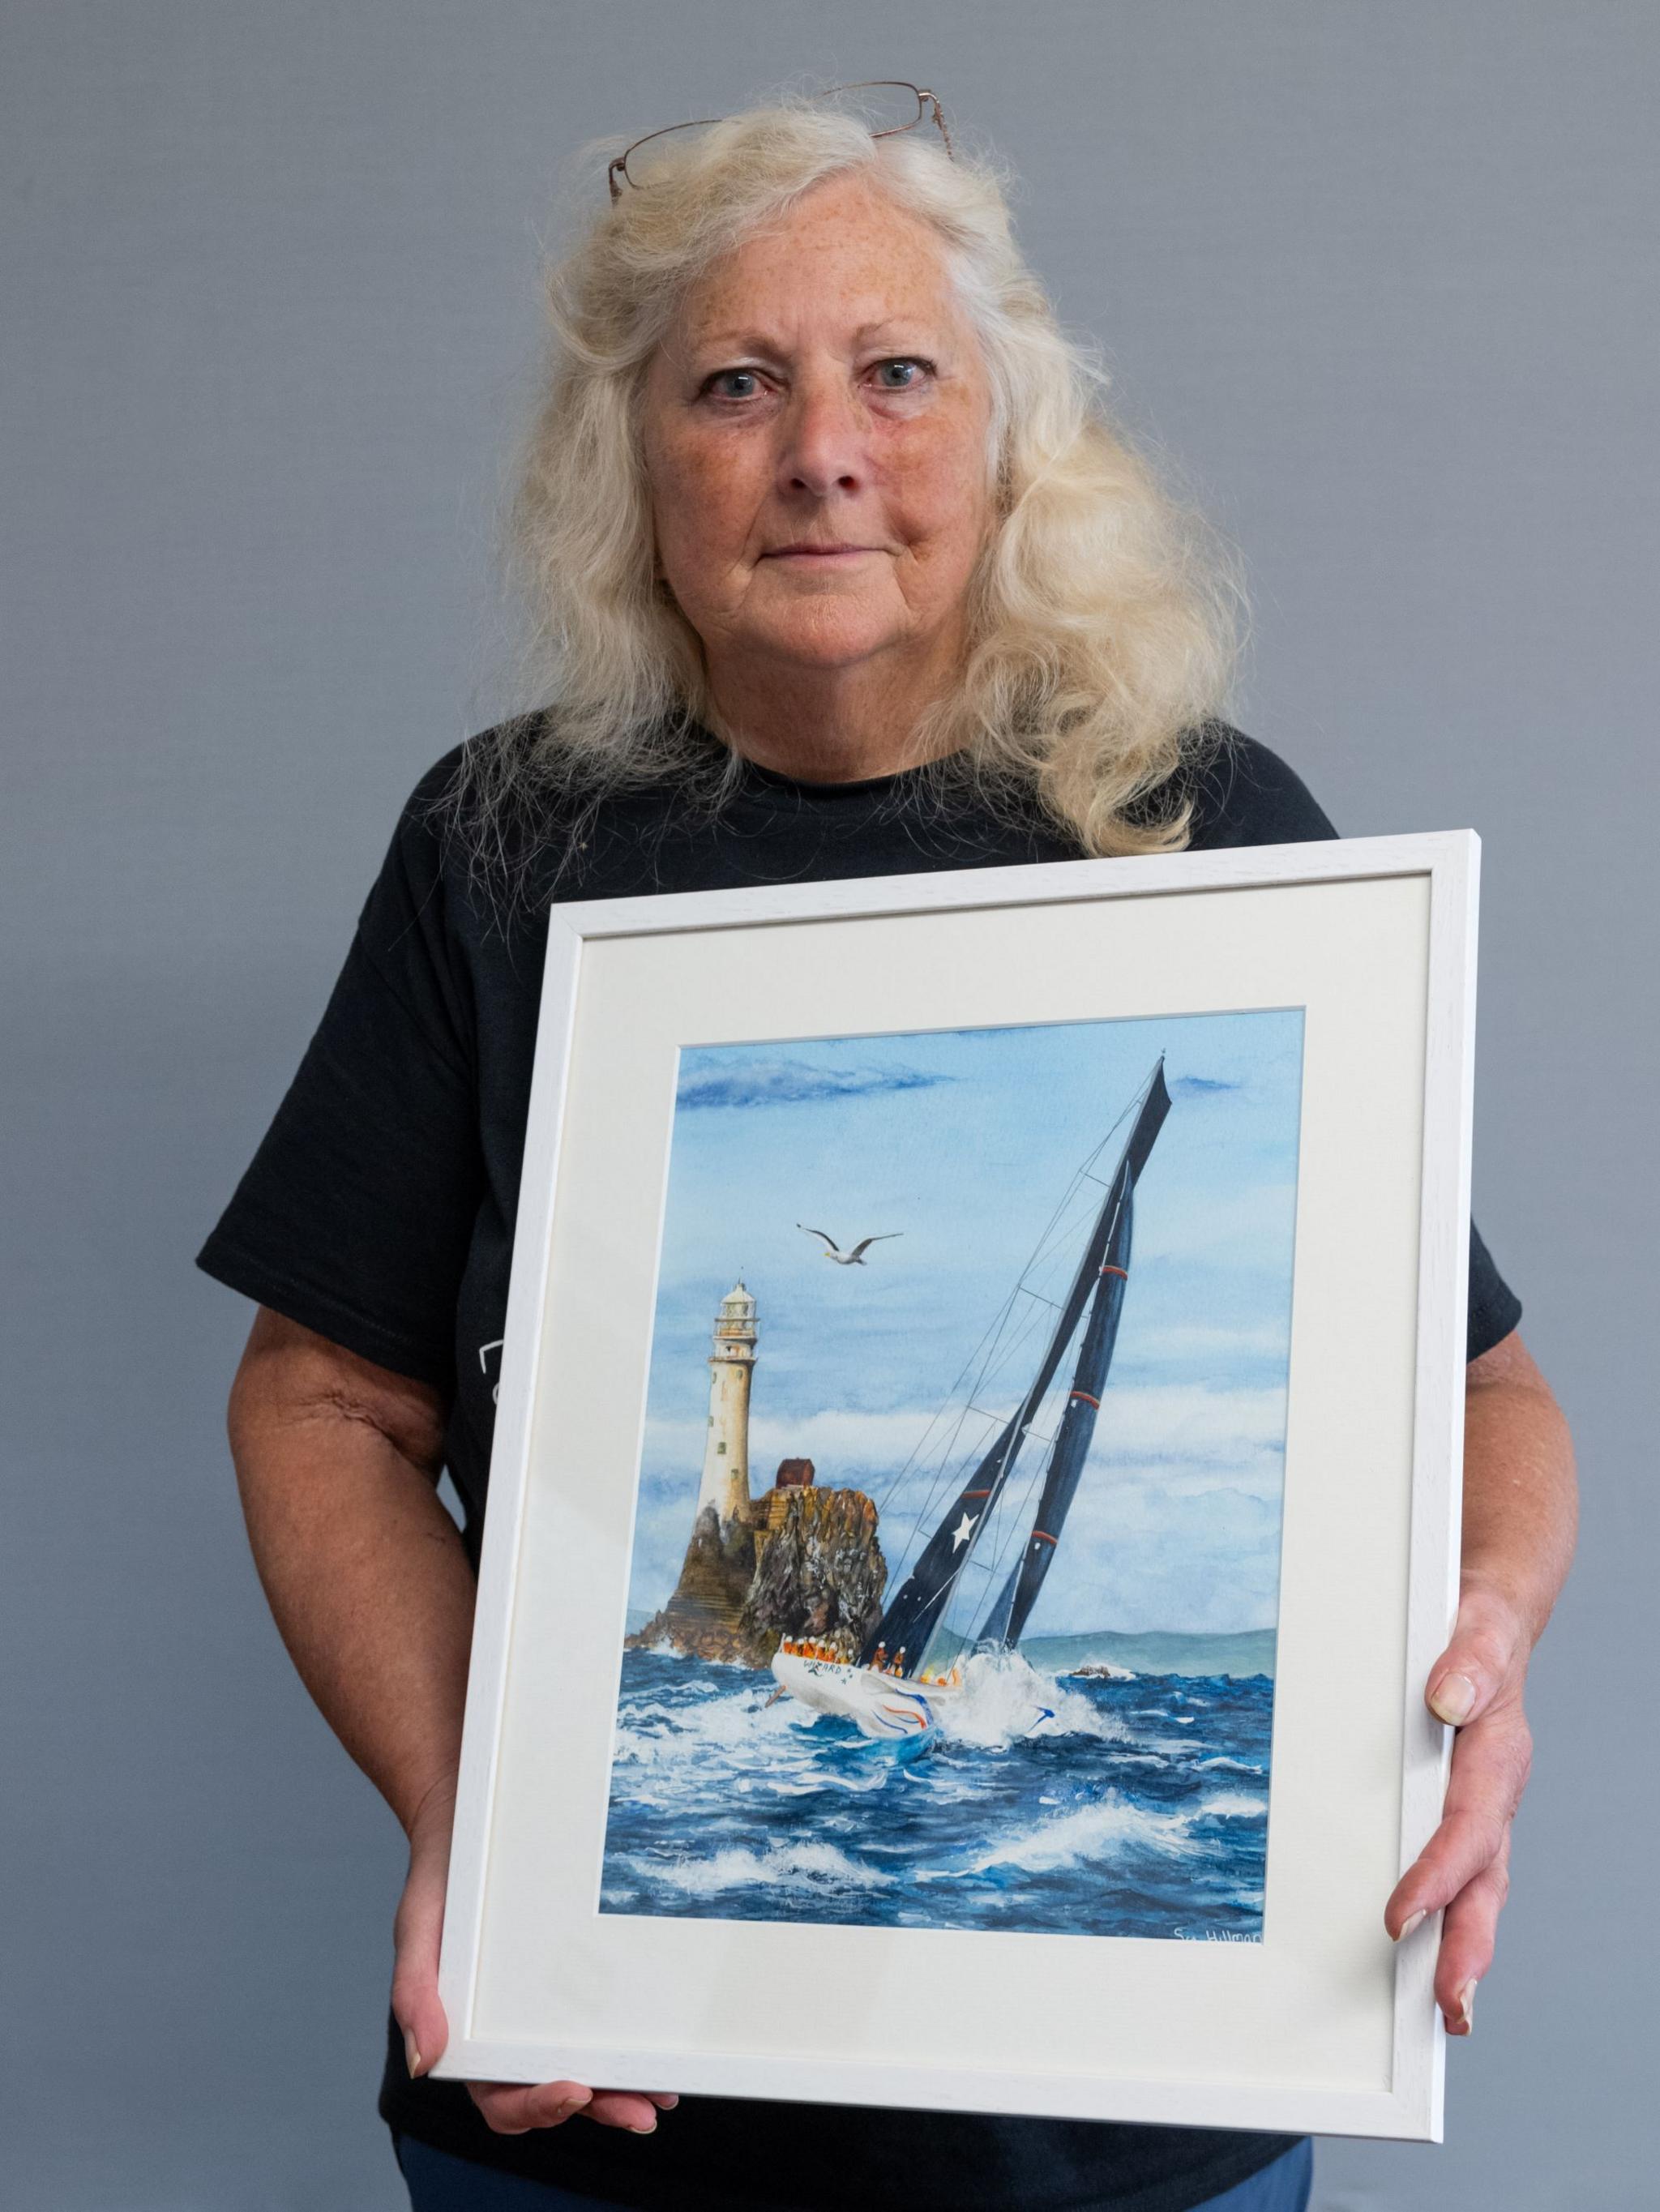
(1408, 1925)
(563, 2111)
(668, 2103)
(650, 2129)
(1453, 1699)
(412, 2052)
(1467, 2005)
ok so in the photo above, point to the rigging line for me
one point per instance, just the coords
(939, 1485)
(987, 1344)
(1017, 1344)
(1004, 1355)
(1068, 1195)
(1014, 1511)
(1018, 1332)
(922, 1445)
(994, 1330)
(954, 1573)
(1009, 1515)
(1061, 1241)
(950, 1474)
(1014, 1522)
(1059, 1231)
(956, 1425)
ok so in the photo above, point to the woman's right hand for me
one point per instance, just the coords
(512, 2108)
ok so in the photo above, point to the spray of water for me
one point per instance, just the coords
(1004, 1699)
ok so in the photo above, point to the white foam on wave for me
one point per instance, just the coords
(1223, 1765)
(823, 1778)
(1004, 1699)
(1236, 1807)
(812, 1866)
(741, 1728)
(1098, 1830)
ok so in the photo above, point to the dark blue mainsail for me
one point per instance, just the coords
(1102, 1272)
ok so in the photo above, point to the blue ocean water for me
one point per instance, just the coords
(1137, 1808)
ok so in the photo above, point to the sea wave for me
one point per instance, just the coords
(745, 1724)
(1004, 1699)
(1102, 1830)
(1232, 1809)
(813, 1866)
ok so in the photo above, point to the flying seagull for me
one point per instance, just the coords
(856, 1257)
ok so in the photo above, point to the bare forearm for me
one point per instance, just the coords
(362, 1567)
(1520, 1497)
(1520, 1514)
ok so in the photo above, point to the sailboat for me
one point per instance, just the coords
(900, 1685)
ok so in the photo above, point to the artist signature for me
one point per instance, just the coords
(1215, 1936)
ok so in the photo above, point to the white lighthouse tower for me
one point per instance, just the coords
(726, 1484)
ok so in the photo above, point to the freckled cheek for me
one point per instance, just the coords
(937, 489)
(704, 497)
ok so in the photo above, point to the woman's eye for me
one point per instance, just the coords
(903, 375)
(734, 384)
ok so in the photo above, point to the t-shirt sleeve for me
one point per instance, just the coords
(357, 1212)
(1245, 795)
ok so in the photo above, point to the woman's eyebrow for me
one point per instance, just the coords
(906, 325)
(749, 340)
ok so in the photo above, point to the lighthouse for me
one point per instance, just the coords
(726, 1484)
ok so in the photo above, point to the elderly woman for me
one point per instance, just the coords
(844, 572)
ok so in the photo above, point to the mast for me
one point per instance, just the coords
(910, 1620)
(1007, 1618)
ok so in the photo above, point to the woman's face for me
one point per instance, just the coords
(816, 441)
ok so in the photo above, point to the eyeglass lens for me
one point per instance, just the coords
(879, 107)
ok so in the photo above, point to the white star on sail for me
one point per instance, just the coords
(963, 1530)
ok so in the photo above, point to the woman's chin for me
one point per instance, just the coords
(828, 635)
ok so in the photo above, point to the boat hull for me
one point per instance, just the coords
(889, 1707)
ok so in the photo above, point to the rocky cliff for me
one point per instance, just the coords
(798, 1562)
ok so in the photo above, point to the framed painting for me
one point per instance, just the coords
(975, 1495)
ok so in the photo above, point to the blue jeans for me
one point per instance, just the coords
(439, 2183)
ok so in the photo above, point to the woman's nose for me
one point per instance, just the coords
(823, 447)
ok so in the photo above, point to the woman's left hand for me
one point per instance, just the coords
(1476, 1685)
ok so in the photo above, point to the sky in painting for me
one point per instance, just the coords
(966, 1141)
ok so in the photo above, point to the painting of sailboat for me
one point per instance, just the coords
(956, 1553)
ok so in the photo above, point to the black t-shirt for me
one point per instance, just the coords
(378, 1211)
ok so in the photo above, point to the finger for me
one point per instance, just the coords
(512, 2108)
(1467, 1936)
(633, 2109)
(1486, 1655)
(1490, 1765)
(417, 1930)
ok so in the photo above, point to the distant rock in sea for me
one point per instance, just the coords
(1239, 1653)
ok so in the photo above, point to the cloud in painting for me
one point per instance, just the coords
(1200, 1086)
(1175, 1526)
(793, 1082)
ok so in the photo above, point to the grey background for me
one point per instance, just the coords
(1381, 278)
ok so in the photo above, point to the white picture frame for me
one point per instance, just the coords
(1323, 2026)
